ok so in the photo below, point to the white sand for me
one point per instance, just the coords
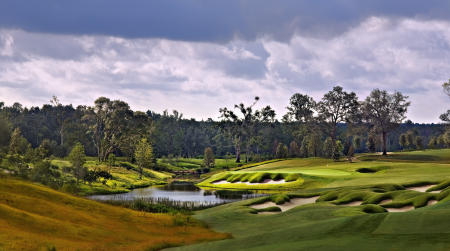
(269, 181)
(220, 182)
(352, 204)
(268, 212)
(295, 202)
(401, 209)
(385, 201)
(421, 188)
(264, 205)
(266, 181)
(431, 202)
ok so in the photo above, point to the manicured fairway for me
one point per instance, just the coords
(367, 169)
(350, 212)
(324, 226)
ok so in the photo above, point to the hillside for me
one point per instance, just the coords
(34, 217)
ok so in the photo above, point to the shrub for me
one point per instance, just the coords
(70, 187)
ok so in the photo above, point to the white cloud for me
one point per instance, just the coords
(198, 78)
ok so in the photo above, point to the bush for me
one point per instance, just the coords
(70, 187)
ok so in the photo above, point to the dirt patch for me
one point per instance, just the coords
(401, 209)
(295, 202)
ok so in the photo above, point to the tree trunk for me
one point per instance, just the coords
(384, 143)
(61, 133)
(247, 153)
(333, 142)
(238, 150)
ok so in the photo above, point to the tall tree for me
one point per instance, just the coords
(337, 106)
(5, 132)
(301, 108)
(78, 157)
(208, 158)
(385, 111)
(144, 156)
(294, 150)
(243, 126)
(446, 116)
(18, 144)
(108, 121)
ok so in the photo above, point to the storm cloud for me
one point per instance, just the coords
(206, 20)
(198, 56)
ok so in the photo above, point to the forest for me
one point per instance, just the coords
(336, 125)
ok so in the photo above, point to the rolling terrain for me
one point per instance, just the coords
(34, 217)
(398, 202)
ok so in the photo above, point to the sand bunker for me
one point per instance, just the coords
(295, 202)
(268, 212)
(422, 189)
(352, 204)
(385, 201)
(266, 181)
(220, 182)
(431, 202)
(401, 209)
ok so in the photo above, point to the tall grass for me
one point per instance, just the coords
(162, 205)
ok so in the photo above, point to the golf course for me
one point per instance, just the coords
(396, 202)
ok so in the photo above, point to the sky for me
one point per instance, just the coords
(196, 56)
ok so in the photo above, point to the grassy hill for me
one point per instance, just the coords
(34, 217)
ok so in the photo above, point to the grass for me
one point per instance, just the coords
(329, 224)
(125, 177)
(34, 217)
(368, 169)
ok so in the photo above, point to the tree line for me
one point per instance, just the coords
(338, 124)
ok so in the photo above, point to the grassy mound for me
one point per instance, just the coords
(34, 217)
(325, 226)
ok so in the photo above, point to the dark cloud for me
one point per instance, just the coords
(207, 20)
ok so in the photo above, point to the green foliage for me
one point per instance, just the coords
(5, 132)
(371, 144)
(18, 144)
(208, 159)
(144, 156)
(403, 140)
(78, 157)
(328, 147)
(338, 148)
(418, 142)
(385, 111)
(282, 151)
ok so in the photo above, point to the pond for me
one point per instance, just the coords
(183, 192)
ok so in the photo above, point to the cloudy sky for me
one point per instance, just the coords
(196, 56)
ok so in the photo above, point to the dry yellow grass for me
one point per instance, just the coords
(34, 217)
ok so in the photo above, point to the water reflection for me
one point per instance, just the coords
(183, 192)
